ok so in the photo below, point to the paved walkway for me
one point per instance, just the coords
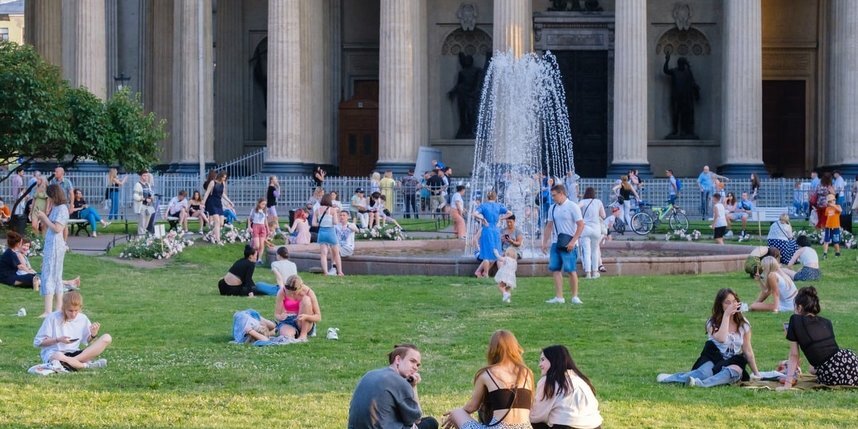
(94, 245)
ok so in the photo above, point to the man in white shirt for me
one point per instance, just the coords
(178, 208)
(840, 188)
(345, 231)
(360, 206)
(564, 219)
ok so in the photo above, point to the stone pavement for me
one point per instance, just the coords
(94, 245)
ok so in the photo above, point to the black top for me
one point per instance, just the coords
(625, 193)
(271, 200)
(502, 399)
(78, 205)
(435, 184)
(8, 267)
(243, 269)
(815, 337)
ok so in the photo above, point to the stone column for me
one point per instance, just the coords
(742, 90)
(159, 70)
(90, 47)
(842, 93)
(421, 68)
(630, 89)
(398, 88)
(111, 15)
(284, 89)
(314, 63)
(513, 26)
(43, 29)
(192, 77)
(231, 69)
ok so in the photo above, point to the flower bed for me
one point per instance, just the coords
(150, 247)
(386, 232)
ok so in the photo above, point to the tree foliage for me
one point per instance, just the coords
(42, 117)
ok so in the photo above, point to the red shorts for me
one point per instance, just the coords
(259, 231)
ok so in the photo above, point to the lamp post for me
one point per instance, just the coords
(121, 81)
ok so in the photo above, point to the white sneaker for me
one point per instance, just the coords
(596, 275)
(100, 363)
(332, 271)
(94, 234)
(661, 377)
(694, 382)
(556, 300)
(506, 297)
(576, 300)
(333, 334)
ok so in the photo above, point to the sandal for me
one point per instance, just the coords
(602, 269)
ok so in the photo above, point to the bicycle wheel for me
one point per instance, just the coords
(678, 221)
(642, 223)
(620, 226)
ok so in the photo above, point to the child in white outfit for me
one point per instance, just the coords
(505, 277)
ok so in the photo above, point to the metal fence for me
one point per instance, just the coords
(295, 191)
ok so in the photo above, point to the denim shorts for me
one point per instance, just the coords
(832, 235)
(561, 260)
(292, 320)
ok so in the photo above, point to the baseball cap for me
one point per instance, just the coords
(359, 191)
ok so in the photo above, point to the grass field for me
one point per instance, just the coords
(171, 365)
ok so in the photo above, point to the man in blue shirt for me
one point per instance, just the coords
(744, 208)
(707, 187)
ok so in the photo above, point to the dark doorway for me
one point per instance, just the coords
(358, 133)
(585, 80)
(784, 127)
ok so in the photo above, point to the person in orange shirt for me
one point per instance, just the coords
(832, 226)
(5, 213)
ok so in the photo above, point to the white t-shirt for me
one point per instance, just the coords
(285, 267)
(565, 217)
(722, 216)
(175, 205)
(54, 327)
(457, 202)
(590, 212)
(346, 238)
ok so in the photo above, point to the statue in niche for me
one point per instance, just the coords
(684, 92)
(259, 70)
(592, 5)
(559, 5)
(467, 96)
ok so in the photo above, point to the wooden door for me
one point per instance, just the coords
(784, 127)
(358, 137)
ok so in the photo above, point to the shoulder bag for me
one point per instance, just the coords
(563, 239)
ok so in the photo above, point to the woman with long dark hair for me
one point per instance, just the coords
(814, 335)
(565, 397)
(726, 352)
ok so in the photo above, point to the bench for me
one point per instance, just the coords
(767, 214)
(78, 225)
(173, 221)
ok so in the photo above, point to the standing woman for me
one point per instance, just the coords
(324, 218)
(755, 187)
(387, 184)
(488, 214)
(626, 191)
(319, 177)
(143, 200)
(114, 183)
(39, 204)
(215, 192)
(503, 389)
(565, 397)
(54, 251)
(814, 335)
(593, 211)
(271, 200)
(726, 352)
(374, 183)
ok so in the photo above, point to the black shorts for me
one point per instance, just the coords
(71, 354)
(720, 231)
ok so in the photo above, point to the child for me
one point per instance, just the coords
(300, 228)
(258, 223)
(24, 267)
(832, 226)
(505, 277)
(248, 326)
(63, 332)
(719, 218)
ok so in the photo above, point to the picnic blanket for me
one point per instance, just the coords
(47, 369)
(805, 382)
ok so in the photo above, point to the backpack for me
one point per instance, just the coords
(821, 194)
(678, 185)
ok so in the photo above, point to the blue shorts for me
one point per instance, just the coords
(558, 259)
(832, 235)
(327, 236)
(292, 320)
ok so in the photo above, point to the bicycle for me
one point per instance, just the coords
(649, 217)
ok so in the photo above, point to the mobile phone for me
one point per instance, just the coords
(74, 339)
(410, 379)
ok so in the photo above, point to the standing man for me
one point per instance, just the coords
(67, 186)
(707, 187)
(672, 187)
(436, 190)
(387, 397)
(17, 184)
(564, 219)
(840, 188)
(409, 185)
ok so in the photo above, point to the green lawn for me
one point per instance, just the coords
(171, 364)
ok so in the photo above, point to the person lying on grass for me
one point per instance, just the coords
(296, 308)
(248, 326)
(726, 352)
(64, 331)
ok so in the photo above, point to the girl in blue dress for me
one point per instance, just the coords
(489, 213)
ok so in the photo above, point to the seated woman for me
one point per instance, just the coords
(781, 237)
(300, 228)
(12, 273)
(79, 209)
(727, 350)
(248, 326)
(814, 335)
(565, 397)
(238, 281)
(64, 331)
(809, 260)
(776, 283)
(195, 209)
(503, 389)
(296, 308)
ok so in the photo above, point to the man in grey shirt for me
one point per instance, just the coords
(386, 398)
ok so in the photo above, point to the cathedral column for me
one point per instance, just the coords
(285, 101)
(630, 90)
(842, 93)
(314, 63)
(192, 85)
(397, 121)
(43, 29)
(513, 26)
(742, 90)
(90, 47)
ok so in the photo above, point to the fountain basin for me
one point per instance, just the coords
(444, 258)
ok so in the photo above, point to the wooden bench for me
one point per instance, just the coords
(767, 214)
(78, 225)
(173, 221)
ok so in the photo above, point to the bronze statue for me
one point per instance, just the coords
(259, 65)
(683, 93)
(467, 94)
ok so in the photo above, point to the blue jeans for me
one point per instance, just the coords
(91, 216)
(229, 216)
(705, 196)
(114, 205)
(704, 374)
(411, 205)
(263, 288)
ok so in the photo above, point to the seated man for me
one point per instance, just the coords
(387, 397)
(743, 210)
(345, 231)
(360, 207)
(178, 208)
